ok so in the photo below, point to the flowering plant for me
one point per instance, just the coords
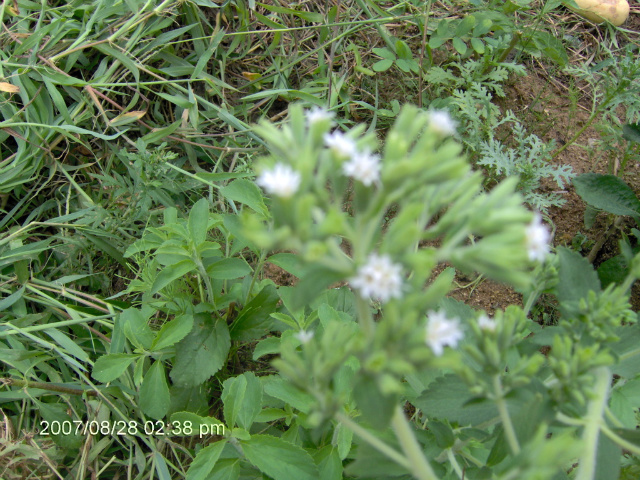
(369, 336)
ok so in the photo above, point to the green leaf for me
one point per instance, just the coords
(246, 192)
(445, 399)
(385, 53)
(608, 193)
(608, 459)
(631, 132)
(382, 65)
(459, 45)
(403, 51)
(279, 459)
(205, 461)
(109, 367)
(154, 392)
(242, 399)
(377, 408)
(576, 277)
(254, 320)
(191, 424)
(171, 273)
(199, 221)
(59, 431)
(158, 135)
(442, 432)
(201, 353)
(314, 280)
(465, 26)
(279, 388)
(268, 346)
(172, 332)
(135, 326)
(229, 268)
(625, 401)
(291, 262)
(477, 45)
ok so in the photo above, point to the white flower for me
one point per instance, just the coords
(486, 323)
(537, 239)
(341, 144)
(378, 279)
(318, 114)
(281, 180)
(442, 331)
(364, 167)
(441, 122)
(304, 336)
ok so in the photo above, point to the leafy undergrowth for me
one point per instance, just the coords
(140, 308)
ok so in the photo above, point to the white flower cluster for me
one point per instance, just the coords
(304, 336)
(281, 180)
(378, 279)
(487, 324)
(538, 238)
(318, 114)
(442, 332)
(441, 122)
(363, 166)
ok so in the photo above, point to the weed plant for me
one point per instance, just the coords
(137, 319)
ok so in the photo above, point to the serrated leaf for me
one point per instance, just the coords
(255, 318)
(201, 353)
(242, 400)
(279, 459)
(576, 277)
(172, 332)
(154, 392)
(608, 193)
(109, 367)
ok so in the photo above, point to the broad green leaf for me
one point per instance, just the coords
(199, 220)
(459, 45)
(58, 423)
(465, 26)
(382, 65)
(229, 268)
(576, 277)
(109, 367)
(625, 401)
(631, 132)
(245, 192)
(154, 392)
(135, 326)
(279, 388)
(608, 459)
(477, 45)
(242, 399)
(329, 463)
(171, 273)
(268, 346)
(187, 424)
(254, 320)
(315, 280)
(205, 461)
(445, 399)
(201, 353)
(377, 408)
(226, 469)
(172, 332)
(291, 262)
(608, 193)
(279, 459)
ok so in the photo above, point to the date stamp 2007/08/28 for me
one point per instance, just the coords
(132, 428)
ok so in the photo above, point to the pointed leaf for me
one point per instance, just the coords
(279, 459)
(154, 392)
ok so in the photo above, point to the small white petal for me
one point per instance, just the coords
(442, 331)
(441, 122)
(486, 323)
(304, 336)
(341, 144)
(281, 180)
(318, 114)
(364, 167)
(378, 279)
(538, 238)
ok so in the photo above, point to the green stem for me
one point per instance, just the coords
(419, 465)
(593, 424)
(621, 442)
(46, 386)
(374, 441)
(65, 323)
(507, 425)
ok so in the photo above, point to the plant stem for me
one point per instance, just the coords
(46, 386)
(364, 316)
(419, 465)
(593, 423)
(507, 425)
(374, 441)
